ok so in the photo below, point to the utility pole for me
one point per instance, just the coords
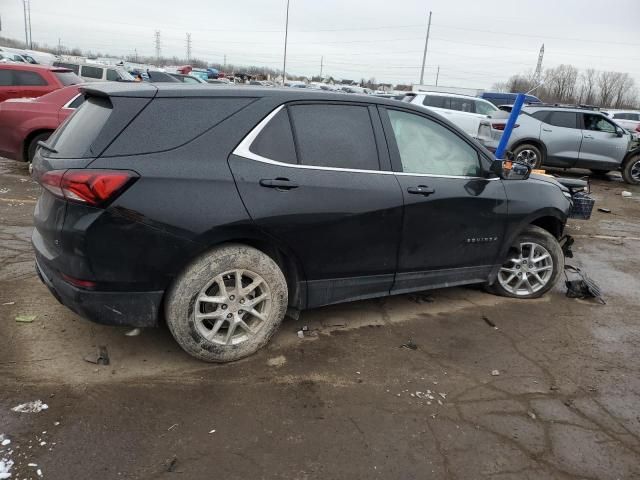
(286, 35)
(135, 51)
(30, 36)
(437, 75)
(424, 55)
(188, 48)
(59, 46)
(225, 61)
(321, 62)
(157, 45)
(26, 29)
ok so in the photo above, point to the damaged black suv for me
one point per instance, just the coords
(218, 210)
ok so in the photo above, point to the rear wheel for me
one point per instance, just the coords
(227, 304)
(33, 144)
(528, 154)
(631, 170)
(533, 266)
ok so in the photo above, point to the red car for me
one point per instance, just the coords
(19, 80)
(25, 121)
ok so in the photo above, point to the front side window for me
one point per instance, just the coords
(598, 123)
(563, 119)
(91, 72)
(31, 79)
(484, 108)
(335, 136)
(463, 104)
(426, 147)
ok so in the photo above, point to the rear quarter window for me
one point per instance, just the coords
(275, 141)
(168, 123)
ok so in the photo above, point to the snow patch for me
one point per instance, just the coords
(31, 407)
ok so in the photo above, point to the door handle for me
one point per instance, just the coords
(421, 190)
(278, 183)
(547, 130)
(587, 136)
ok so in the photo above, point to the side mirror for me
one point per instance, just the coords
(619, 132)
(509, 170)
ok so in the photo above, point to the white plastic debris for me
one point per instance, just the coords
(134, 333)
(532, 415)
(5, 468)
(212, 431)
(33, 465)
(624, 193)
(495, 373)
(6, 442)
(39, 472)
(42, 444)
(31, 407)
(300, 334)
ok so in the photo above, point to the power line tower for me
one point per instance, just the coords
(188, 48)
(538, 74)
(157, 42)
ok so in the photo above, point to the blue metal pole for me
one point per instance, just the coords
(515, 112)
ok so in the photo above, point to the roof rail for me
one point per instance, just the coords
(566, 105)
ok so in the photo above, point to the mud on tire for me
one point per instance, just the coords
(223, 296)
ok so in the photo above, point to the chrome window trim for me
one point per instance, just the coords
(244, 150)
(66, 105)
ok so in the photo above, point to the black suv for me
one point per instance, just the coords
(220, 209)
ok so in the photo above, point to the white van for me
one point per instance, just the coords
(464, 111)
(96, 72)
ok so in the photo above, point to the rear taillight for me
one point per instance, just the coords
(638, 128)
(501, 126)
(91, 187)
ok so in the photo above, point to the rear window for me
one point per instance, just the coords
(74, 68)
(275, 141)
(74, 138)
(68, 78)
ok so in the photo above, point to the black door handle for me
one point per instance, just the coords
(421, 190)
(279, 183)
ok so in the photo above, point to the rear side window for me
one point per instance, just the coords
(540, 115)
(335, 136)
(6, 78)
(91, 72)
(31, 79)
(74, 138)
(68, 78)
(275, 141)
(437, 101)
(74, 68)
(112, 75)
(168, 123)
(563, 119)
(621, 116)
(463, 104)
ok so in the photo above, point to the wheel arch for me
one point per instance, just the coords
(24, 151)
(532, 141)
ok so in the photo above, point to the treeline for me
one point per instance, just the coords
(567, 84)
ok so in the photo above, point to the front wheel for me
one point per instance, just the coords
(533, 266)
(631, 170)
(227, 304)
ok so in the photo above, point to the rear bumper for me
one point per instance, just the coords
(131, 309)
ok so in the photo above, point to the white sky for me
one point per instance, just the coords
(475, 42)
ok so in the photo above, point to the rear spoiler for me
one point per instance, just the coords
(119, 89)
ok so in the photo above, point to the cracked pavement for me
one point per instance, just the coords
(347, 401)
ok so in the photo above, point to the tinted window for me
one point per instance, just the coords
(427, 147)
(91, 72)
(335, 136)
(74, 138)
(112, 75)
(463, 104)
(76, 102)
(437, 101)
(275, 142)
(6, 78)
(563, 119)
(168, 123)
(598, 123)
(621, 116)
(24, 78)
(68, 78)
(541, 115)
(634, 116)
(74, 68)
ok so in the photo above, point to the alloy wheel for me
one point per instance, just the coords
(233, 307)
(527, 156)
(635, 170)
(527, 271)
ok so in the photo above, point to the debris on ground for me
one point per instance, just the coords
(278, 361)
(25, 318)
(495, 373)
(604, 210)
(212, 431)
(172, 427)
(5, 468)
(101, 357)
(411, 345)
(9, 303)
(421, 298)
(532, 415)
(172, 464)
(133, 333)
(488, 321)
(583, 287)
(31, 407)
(300, 333)
(5, 441)
(624, 193)
(305, 328)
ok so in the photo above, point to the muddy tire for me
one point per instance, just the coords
(631, 170)
(529, 154)
(226, 304)
(33, 145)
(534, 264)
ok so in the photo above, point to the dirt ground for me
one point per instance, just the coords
(347, 401)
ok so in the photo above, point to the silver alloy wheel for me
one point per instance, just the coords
(528, 271)
(527, 156)
(635, 170)
(233, 307)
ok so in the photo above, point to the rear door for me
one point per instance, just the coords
(454, 215)
(312, 176)
(6, 84)
(601, 146)
(561, 135)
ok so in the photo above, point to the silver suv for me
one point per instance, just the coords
(563, 137)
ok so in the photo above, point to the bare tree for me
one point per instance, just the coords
(560, 83)
(588, 87)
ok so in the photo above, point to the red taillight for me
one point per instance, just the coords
(501, 126)
(78, 283)
(638, 128)
(92, 187)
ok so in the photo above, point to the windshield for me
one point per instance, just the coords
(68, 78)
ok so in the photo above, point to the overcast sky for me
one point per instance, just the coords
(475, 43)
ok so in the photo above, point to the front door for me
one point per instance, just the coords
(454, 215)
(320, 191)
(601, 145)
